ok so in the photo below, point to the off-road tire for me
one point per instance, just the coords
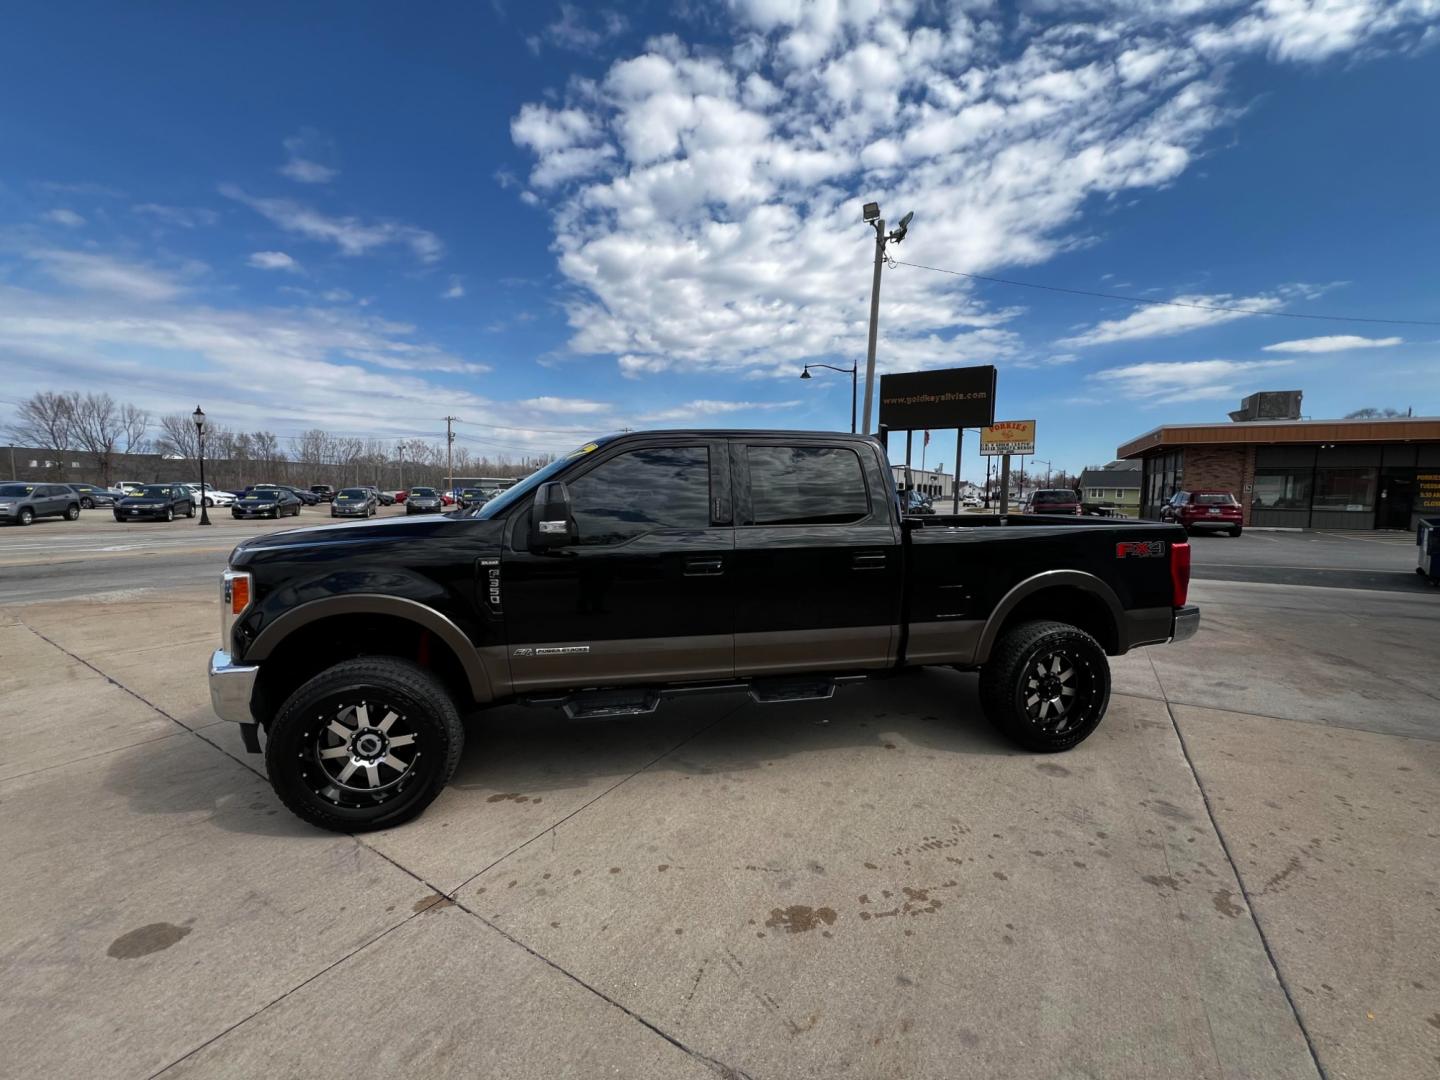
(1005, 685)
(291, 750)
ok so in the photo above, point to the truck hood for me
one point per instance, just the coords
(376, 533)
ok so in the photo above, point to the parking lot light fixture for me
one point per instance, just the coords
(853, 371)
(199, 417)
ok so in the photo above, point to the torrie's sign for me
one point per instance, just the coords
(1007, 437)
(949, 398)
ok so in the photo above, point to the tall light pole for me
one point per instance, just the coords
(854, 370)
(873, 218)
(199, 417)
(449, 445)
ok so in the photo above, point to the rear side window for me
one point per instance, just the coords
(806, 485)
(661, 487)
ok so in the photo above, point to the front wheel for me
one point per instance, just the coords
(1046, 686)
(169, 513)
(87, 504)
(26, 516)
(366, 744)
(1235, 531)
(72, 512)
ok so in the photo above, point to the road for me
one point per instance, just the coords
(1342, 560)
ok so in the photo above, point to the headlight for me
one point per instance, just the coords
(234, 599)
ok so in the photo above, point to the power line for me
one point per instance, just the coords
(1168, 303)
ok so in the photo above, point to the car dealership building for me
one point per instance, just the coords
(1299, 473)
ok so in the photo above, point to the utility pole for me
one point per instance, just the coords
(449, 446)
(872, 216)
(401, 447)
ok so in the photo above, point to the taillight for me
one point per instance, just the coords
(1179, 574)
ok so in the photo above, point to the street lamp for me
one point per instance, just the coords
(199, 417)
(871, 214)
(854, 370)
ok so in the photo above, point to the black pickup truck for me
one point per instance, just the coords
(654, 564)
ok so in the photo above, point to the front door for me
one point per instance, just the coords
(644, 595)
(1397, 499)
(817, 558)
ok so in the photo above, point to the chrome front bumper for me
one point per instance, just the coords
(1187, 624)
(231, 686)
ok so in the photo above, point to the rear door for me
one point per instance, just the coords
(646, 594)
(818, 558)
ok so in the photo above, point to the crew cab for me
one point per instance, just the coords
(648, 565)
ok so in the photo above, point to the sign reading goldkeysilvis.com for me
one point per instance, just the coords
(1007, 437)
(949, 398)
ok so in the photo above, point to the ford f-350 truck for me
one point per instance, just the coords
(654, 564)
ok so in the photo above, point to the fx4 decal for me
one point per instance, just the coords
(1140, 549)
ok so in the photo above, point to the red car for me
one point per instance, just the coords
(1218, 510)
(1054, 501)
(400, 496)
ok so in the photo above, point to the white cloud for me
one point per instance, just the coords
(706, 202)
(456, 289)
(1185, 380)
(306, 153)
(69, 218)
(273, 260)
(185, 217)
(569, 406)
(1160, 321)
(1333, 343)
(579, 32)
(104, 274)
(350, 234)
(706, 407)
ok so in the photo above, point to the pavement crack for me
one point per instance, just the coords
(550, 829)
(728, 1072)
(1240, 880)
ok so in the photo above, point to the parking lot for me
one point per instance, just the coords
(1237, 875)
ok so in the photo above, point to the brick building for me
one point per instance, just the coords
(1322, 474)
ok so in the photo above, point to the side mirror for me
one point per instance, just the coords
(552, 524)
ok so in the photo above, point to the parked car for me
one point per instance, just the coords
(447, 498)
(917, 502)
(355, 502)
(1061, 501)
(263, 502)
(971, 502)
(129, 487)
(473, 497)
(401, 496)
(1211, 509)
(21, 502)
(213, 496)
(424, 500)
(305, 495)
(323, 492)
(157, 502)
(383, 498)
(794, 581)
(93, 495)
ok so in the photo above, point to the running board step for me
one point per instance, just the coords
(604, 704)
(777, 691)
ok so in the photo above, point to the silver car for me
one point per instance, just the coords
(424, 500)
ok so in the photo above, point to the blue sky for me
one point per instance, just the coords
(557, 219)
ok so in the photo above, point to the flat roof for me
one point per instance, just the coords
(1284, 432)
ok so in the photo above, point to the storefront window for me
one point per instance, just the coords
(1282, 489)
(1345, 489)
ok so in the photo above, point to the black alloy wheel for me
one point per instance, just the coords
(366, 744)
(1046, 685)
(87, 504)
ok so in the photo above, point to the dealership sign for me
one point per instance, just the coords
(950, 398)
(1007, 437)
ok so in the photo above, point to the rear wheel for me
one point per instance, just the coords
(190, 510)
(1046, 686)
(366, 744)
(1235, 531)
(87, 504)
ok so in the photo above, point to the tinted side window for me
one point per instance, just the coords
(806, 485)
(664, 487)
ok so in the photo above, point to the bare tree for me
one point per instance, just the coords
(1373, 414)
(46, 421)
(178, 438)
(105, 429)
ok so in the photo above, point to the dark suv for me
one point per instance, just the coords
(323, 492)
(1218, 510)
(22, 503)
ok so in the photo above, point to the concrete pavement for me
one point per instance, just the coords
(1237, 876)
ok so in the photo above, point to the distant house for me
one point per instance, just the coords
(1119, 488)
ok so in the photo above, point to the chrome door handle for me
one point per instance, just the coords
(704, 566)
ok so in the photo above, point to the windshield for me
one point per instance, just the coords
(1223, 498)
(517, 491)
(11, 491)
(268, 496)
(1055, 496)
(156, 491)
(353, 493)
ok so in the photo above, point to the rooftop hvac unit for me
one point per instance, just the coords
(1270, 405)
